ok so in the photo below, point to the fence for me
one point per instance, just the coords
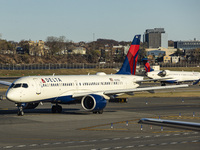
(81, 66)
(58, 66)
(180, 65)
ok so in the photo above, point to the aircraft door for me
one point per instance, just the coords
(76, 84)
(37, 85)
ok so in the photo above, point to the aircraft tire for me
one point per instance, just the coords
(59, 109)
(53, 109)
(100, 112)
(20, 113)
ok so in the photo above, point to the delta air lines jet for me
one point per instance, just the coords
(167, 76)
(92, 91)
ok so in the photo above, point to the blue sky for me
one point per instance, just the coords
(78, 20)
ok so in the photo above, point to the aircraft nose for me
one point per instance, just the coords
(12, 96)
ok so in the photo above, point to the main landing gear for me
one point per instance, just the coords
(20, 110)
(163, 84)
(99, 112)
(56, 108)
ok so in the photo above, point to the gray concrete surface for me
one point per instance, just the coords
(76, 129)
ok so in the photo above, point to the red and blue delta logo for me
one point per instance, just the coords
(43, 81)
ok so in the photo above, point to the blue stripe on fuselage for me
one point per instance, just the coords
(60, 100)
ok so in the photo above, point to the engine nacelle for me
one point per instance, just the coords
(164, 73)
(93, 102)
(30, 105)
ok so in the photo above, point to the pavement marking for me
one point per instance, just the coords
(184, 142)
(20, 146)
(173, 143)
(105, 140)
(163, 144)
(119, 147)
(152, 144)
(147, 136)
(7, 147)
(57, 143)
(4, 109)
(45, 144)
(33, 145)
(105, 148)
(115, 139)
(129, 146)
(167, 134)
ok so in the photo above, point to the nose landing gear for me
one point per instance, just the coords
(20, 109)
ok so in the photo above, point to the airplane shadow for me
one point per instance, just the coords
(45, 111)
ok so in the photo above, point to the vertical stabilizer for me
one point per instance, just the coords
(147, 65)
(129, 65)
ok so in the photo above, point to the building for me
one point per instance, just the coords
(175, 59)
(186, 45)
(78, 50)
(167, 59)
(156, 38)
(156, 53)
(36, 48)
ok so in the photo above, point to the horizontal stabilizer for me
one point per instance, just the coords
(149, 80)
(196, 82)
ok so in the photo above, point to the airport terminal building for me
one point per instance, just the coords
(186, 45)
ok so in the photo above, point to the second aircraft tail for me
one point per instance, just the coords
(147, 65)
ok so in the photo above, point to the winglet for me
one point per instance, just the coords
(129, 65)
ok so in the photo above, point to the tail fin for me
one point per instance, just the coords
(147, 65)
(129, 65)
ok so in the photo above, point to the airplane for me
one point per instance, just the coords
(92, 91)
(167, 76)
(171, 123)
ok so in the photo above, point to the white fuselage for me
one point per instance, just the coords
(49, 88)
(175, 76)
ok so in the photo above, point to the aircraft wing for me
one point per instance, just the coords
(110, 92)
(144, 89)
(5, 83)
(171, 123)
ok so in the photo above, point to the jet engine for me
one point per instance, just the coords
(94, 103)
(164, 73)
(30, 105)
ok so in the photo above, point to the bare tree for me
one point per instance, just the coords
(55, 44)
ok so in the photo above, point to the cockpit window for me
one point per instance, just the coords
(17, 85)
(24, 85)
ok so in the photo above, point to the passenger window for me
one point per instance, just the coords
(17, 85)
(24, 85)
